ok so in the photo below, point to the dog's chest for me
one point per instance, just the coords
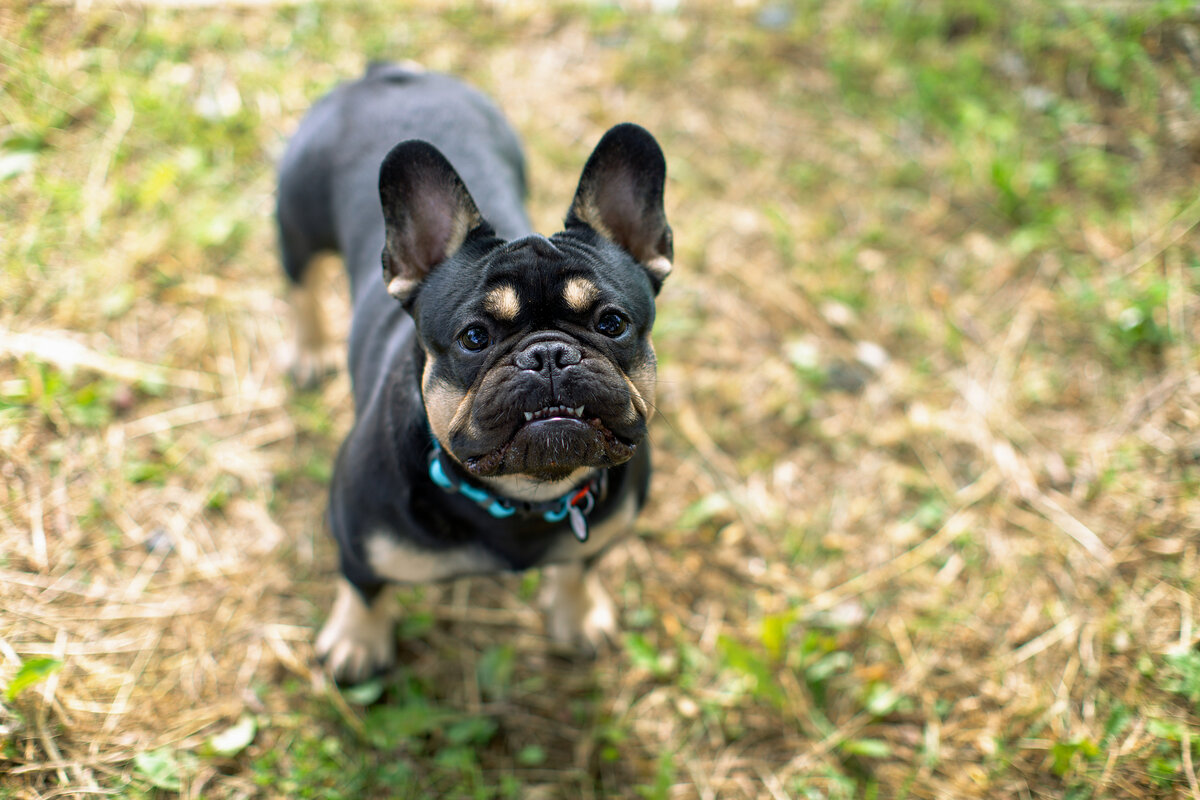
(398, 559)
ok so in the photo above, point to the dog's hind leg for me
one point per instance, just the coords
(303, 249)
(313, 356)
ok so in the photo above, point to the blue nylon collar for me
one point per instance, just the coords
(573, 506)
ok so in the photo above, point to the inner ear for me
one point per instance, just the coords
(427, 213)
(620, 196)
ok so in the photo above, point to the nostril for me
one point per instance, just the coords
(566, 355)
(553, 355)
(531, 358)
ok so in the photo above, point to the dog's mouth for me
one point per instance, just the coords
(551, 442)
(553, 412)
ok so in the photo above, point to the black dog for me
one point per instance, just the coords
(503, 381)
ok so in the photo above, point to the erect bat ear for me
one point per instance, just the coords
(620, 196)
(427, 213)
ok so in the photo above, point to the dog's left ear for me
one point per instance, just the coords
(427, 213)
(620, 196)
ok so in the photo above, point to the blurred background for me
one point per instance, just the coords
(925, 518)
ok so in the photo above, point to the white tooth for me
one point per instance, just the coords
(579, 411)
(528, 416)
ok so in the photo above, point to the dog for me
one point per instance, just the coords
(503, 381)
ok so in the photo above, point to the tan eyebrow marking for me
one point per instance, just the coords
(503, 303)
(580, 293)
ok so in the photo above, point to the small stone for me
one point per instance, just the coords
(871, 355)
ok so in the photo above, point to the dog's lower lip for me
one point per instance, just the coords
(487, 463)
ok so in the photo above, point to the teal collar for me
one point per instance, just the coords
(574, 506)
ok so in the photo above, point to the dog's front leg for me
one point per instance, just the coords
(358, 639)
(580, 615)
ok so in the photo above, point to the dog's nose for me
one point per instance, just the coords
(548, 356)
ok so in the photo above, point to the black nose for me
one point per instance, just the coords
(548, 356)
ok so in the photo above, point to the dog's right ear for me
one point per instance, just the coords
(427, 213)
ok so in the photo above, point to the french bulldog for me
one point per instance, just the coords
(502, 380)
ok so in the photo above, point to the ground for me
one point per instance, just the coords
(924, 522)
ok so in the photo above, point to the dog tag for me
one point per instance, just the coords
(578, 523)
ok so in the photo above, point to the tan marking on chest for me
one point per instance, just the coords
(402, 562)
(531, 490)
(579, 294)
(503, 303)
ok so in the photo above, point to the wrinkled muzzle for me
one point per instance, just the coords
(548, 409)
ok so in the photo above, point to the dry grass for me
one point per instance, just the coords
(928, 491)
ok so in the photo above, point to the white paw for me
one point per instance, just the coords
(357, 641)
(580, 616)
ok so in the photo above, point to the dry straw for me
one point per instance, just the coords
(944, 480)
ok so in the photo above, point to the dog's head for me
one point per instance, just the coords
(538, 353)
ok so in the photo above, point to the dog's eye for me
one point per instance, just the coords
(474, 338)
(611, 324)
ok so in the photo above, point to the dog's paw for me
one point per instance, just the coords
(308, 367)
(357, 641)
(580, 616)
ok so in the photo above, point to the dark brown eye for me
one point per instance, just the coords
(611, 324)
(474, 338)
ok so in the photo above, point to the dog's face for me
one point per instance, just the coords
(538, 353)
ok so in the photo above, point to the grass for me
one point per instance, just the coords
(924, 523)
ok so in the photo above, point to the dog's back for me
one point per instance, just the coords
(329, 192)
(329, 175)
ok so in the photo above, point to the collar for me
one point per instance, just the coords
(574, 506)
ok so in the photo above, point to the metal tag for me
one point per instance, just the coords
(578, 523)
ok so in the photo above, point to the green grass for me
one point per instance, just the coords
(854, 581)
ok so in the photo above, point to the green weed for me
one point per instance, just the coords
(31, 673)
